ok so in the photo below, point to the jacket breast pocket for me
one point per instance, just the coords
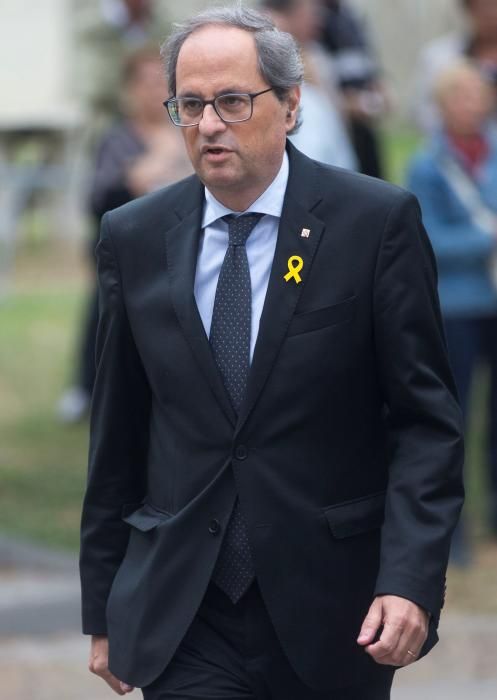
(313, 320)
(143, 516)
(357, 516)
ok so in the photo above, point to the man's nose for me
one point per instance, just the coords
(210, 122)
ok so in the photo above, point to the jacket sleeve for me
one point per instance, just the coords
(118, 442)
(424, 422)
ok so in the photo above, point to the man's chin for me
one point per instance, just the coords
(219, 178)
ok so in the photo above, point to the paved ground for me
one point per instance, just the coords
(43, 656)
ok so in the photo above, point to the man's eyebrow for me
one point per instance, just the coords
(233, 90)
(225, 91)
(188, 94)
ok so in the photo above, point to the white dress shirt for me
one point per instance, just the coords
(260, 248)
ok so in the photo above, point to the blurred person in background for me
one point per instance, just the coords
(478, 42)
(107, 32)
(363, 92)
(323, 134)
(455, 179)
(140, 153)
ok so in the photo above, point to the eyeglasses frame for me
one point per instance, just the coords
(252, 96)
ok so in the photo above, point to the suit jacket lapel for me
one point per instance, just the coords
(282, 296)
(182, 243)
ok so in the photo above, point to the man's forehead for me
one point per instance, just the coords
(215, 41)
(218, 55)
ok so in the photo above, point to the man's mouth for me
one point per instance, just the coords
(214, 149)
(216, 155)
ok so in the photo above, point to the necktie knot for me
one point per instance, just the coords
(240, 227)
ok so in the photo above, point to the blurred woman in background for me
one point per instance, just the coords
(477, 41)
(141, 152)
(455, 179)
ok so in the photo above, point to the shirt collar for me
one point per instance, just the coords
(270, 202)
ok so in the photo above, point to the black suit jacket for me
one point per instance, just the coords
(346, 454)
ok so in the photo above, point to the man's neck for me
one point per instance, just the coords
(237, 201)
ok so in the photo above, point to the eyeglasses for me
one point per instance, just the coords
(232, 107)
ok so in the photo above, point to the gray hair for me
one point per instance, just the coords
(280, 62)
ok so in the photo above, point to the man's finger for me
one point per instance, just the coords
(385, 647)
(405, 628)
(409, 645)
(410, 657)
(98, 664)
(372, 623)
(114, 682)
(126, 688)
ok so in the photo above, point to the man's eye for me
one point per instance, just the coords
(231, 101)
(191, 106)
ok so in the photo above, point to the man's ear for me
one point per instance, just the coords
(293, 101)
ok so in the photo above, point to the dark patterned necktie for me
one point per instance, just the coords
(230, 342)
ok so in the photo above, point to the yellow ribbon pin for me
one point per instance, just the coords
(295, 264)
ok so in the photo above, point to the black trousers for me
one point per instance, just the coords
(232, 652)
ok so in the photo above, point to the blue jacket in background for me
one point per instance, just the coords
(463, 250)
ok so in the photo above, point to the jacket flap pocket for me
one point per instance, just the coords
(355, 517)
(306, 321)
(142, 516)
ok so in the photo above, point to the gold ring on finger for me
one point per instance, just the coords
(411, 653)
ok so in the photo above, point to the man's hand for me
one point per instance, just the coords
(405, 628)
(98, 664)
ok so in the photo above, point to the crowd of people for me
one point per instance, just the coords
(345, 97)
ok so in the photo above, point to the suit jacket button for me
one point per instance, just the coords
(241, 452)
(214, 526)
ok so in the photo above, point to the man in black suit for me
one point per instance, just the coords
(276, 450)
